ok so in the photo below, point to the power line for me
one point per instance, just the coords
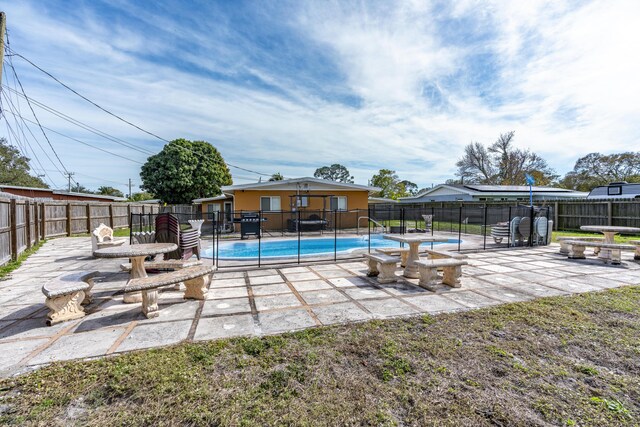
(35, 116)
(87, 99)
(83, 125)
(79, 141)
(14, 53)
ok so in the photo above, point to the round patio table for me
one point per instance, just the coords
(414, 241)
(609, 232)
(137, 254)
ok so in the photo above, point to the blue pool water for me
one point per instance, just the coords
(289, 247)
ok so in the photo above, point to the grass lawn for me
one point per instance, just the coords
(555, 361)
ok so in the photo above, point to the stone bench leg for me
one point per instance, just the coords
(387, 273)
(65, 307)
(564, 248)
(428, 277)
(596, 250)
(452, 275)
(88, 296)
(373, 268)
(616, 256)
(404, 256)
(197, 288)
(150, 303)
(576, 252)
(636, 254)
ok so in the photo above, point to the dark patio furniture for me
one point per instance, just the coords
(168, 231)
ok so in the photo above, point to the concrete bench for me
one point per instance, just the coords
(102, 237)
(451, 267)
(577, 247)
(165, 264)
(564, 247)
(196, 280)
(442, 254)
(402, 252)
(383, 266)
(66, 294)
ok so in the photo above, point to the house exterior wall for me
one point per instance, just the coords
(249, 200)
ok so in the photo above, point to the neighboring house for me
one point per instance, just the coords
(487, 193)
(280, 201)
(616, 190)
(47, 193)
(382, 203)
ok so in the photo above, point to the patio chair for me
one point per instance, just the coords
(428, 222)
(515, 237)
(168, 231)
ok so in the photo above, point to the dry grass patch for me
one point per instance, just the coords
(555, 361)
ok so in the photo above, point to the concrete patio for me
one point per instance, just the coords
(266, 301)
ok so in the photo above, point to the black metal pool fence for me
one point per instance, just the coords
(470, 226)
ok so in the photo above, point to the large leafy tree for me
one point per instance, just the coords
(276, 177)
(185, 170)
(335, 172)
(502, 164)
(597, 169)
(109, 191)
(14, 168)
(391, 186)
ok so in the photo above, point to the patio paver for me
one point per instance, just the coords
(267, 301)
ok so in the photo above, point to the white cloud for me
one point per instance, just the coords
(565, 81)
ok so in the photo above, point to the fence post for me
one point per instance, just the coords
(609, 213)
(459, 227)
(555, 216)
(44, 221)
(36, 222)
(27, 217)
(129, 214)
(484, 232)
(13, 232)
(111, 215)
(68, 218)
(88, 217)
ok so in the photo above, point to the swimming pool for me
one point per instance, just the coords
(308, 247)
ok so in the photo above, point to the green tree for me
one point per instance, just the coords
(14, 168)
(335, 172)
(391, 186)
(79, 188)
(185, 170)
(276, 177)
(596, 169)
(109, 191)
(502, 164)
(141, 196)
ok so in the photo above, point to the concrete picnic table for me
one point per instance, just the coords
(137, 254)
(414, 241)
(609, 232)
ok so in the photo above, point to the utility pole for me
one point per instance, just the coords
(129, 188)
(3, 29)
(69, 175)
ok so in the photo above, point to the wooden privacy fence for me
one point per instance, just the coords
(23, 223)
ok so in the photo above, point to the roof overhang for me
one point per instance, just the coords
(300, 184)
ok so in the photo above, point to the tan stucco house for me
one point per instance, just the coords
(280, 201)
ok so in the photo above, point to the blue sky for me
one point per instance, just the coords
(288, 87)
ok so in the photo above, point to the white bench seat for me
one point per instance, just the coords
(66, 294)
(196, 280)
(578, 246)
(383, 266)
(452, 269)
(564, 247)
(165, 264)
(402, 252)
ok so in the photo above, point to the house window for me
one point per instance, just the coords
(303, 201)
(339, 203)
(270, 203)
(614, 191)
(212, 211)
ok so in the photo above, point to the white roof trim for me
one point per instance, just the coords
(307, 180)
(212, 199)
